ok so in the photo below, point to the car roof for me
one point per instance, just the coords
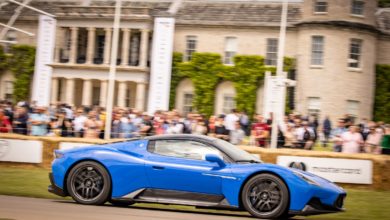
(181, 137)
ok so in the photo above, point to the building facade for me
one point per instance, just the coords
(336, 45)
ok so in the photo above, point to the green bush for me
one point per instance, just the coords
(3, 60)
(382, 94)
(206, 71)
(21, 63)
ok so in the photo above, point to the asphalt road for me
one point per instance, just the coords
(21, 208)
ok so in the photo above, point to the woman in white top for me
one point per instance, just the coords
(352, 140)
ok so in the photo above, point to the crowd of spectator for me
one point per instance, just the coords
(295, 131)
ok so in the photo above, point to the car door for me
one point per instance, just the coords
(180, 165)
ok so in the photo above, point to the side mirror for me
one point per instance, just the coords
(215, 159)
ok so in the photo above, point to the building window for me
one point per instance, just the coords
(11, 36)
(313, 106)
(355, 48)
(317, 50)
(134, 49)
(229, 103)
(9, 90)
(230, 50)
(357, 7)
(272, 52)
(187, 107)
(353, 108)
(191, 42)
(320, 6)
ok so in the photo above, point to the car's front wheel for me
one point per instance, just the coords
(265, 196)
(89, 183)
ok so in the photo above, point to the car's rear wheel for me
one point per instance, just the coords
(89, 183)
(265, 196)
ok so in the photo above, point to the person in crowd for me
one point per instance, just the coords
(260, 131)
(326, 130)
(92, 125)
(199, 127)
(188, 124)
(20, 121)
(385, 144)
(289, 136)
(78, 122)
(336, 135)
(116, 125)
(127, 129)
(211, 125)
(305, 136)
(237, 135)
(244, 122)
(373, 140)
(220, 130)
(146, 128)
(352, 140)
(175, 125)
(230, 120)
(364, 128)
(64, 124)
(5, 124)
(39, 121)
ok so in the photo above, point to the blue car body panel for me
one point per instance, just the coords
(132, 167)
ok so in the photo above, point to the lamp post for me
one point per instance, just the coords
(112, 73)
(280, 73)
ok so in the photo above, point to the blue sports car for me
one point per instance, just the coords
(189, 170)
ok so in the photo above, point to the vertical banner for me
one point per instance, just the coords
(161, 64)
(274, 96)
(44, 56)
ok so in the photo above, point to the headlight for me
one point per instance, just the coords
(307, 179)
(57, 154)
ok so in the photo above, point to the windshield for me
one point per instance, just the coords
(236, 153)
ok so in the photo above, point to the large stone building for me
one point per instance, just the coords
(336, 45)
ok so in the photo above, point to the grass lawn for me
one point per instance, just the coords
(33, 182)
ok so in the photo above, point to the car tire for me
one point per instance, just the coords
(89, 183)
(265, 196)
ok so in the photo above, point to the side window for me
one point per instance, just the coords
(182, 149)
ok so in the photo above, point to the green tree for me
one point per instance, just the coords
(175, 78)
(384, 3)
(3, 60)
(204, 70)
(21, 63)
(382, 94)
(247, 75)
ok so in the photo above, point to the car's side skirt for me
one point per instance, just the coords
(178, 197)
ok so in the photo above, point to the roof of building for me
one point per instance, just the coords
(240, 13)
(230, 13)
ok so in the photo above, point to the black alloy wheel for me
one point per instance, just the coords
(89, 183)
(265, 196)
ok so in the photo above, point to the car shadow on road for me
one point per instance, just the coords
(182, 209)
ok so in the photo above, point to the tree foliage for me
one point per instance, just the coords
(3, 60)
(206, 71)
(382, 94)
(203, 70)
(384, 3)
(175, 78)
(21, 63)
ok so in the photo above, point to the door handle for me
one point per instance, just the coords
(158, 167)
